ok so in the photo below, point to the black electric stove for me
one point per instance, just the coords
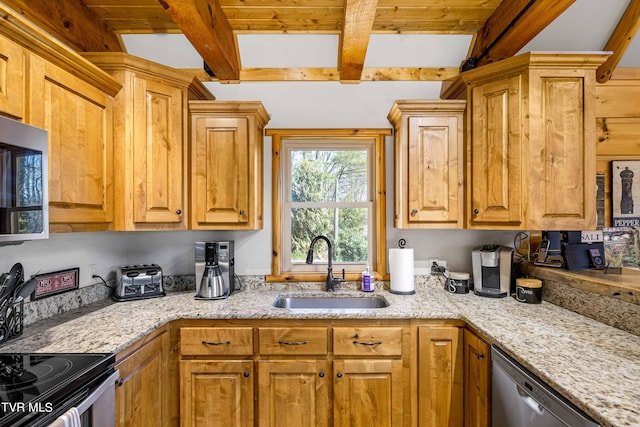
(38, 387)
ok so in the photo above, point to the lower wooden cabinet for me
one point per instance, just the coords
(440, 377)
(321, 373)
(217, 393)
(477, 381)
(368, 392)
(294, 393)
(142, 392)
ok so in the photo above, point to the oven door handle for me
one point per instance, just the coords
(98, 392)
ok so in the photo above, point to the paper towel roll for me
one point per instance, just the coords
(401, 270)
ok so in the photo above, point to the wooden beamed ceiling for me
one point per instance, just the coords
(501, 29)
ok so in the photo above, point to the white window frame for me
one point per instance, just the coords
(286, 140)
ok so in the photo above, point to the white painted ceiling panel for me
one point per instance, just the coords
(417, 50)
(172, 50)
(288, 50)
(586, 25)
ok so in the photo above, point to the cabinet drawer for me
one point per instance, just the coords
(308, 341)
(367, 341)
(216, 341)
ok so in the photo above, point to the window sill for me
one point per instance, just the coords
(316, 277)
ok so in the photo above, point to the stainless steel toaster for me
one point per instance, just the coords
(138, 282)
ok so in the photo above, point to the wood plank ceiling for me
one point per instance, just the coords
(500, 29)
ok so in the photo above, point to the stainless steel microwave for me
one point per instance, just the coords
(24, 178)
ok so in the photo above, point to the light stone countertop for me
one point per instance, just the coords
(595, 366)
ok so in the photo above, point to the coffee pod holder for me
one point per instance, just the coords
(528, 291)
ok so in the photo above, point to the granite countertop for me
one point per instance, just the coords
(595, 366)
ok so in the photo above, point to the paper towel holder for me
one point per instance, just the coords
(402, 281)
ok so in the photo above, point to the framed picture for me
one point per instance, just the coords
(622, 246)
(625, 193)
(56, 283)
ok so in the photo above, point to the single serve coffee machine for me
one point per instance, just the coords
(214, 269)
(492, 274)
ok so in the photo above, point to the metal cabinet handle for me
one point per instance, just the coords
(339, 375)
(246, 374)
(178, 211)
(480, 356)
(321, 374)
(293, 342)
(241, 212)
(367, 342)
(476, 211)
(216, 342)
(120, 382)
(414, 212)
(355, 341)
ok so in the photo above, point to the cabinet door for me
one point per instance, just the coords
(496, 181)
(440, 367)
(157, 167)
(477, 371)
(142, 393)
(216, 393)
(78, 118)
(12, 78)
(563, 152)
(368, 393)
(293, 393)
(435, 169)
(221, 171)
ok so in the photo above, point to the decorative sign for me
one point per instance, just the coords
(56, 283)
(590, 236)
(625, 196)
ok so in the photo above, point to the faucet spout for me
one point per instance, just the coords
(331, 280)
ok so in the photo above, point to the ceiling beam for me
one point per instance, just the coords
(205, 25)
(511, 26)
(620, 40)
(332, 74)
(354, 40)
(71, 22)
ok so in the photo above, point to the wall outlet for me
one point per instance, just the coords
(439, 267)
(93, 270)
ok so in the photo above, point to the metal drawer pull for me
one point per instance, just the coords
(355, 341)
(216, 342)
(293, 342)
(367, 342)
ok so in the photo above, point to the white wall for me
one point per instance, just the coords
(291, 105)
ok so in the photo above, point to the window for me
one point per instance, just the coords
(328, 182)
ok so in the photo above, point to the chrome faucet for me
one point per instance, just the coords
(330, 283)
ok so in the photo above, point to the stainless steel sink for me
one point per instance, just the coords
(330, 303)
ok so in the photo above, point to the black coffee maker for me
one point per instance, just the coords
(492, 270)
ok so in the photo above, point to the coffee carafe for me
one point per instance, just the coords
(214, 269)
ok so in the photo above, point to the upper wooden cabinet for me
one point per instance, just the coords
(428, 148)
(46, 84)
(227, 164)
(150, 142)
(531, 142)
(13, 60)
(78, 117)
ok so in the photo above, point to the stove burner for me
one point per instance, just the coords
(46, 379)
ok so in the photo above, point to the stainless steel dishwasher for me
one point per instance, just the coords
(520, 399)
